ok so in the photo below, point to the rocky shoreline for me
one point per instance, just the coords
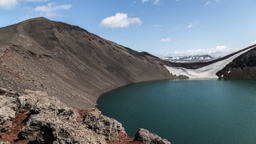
(35, 117)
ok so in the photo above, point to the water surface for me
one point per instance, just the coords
(187, 111)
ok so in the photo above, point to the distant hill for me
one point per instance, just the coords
(189, 59)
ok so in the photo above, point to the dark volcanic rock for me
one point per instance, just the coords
(149, 138)
(69, 62)
(243, 67)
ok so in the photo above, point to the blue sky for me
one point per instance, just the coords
(160, 27)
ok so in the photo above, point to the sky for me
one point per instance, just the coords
(160, 27)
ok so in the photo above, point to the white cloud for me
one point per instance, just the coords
(51, 9)
(120, 20)
(253, 43)
(207, 3)
(168, 39)
(155, 2)
(215, 52)
(8, 4)
(191, 25)
(143, 1)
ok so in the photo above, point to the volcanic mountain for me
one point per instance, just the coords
(69, 62)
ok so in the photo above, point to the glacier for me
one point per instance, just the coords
(206, 72)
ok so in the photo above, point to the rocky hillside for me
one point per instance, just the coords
(35, 117)
(69, 62)
(243, 67)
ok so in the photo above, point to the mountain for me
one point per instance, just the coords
(189, 59)
(69, 62)
(66, 69)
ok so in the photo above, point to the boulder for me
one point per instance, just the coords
(46, 127)
(54, 122)
(103, 125)
(149, 138)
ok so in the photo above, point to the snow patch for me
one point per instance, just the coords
(206, 72)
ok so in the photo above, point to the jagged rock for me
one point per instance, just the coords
(40, 101)
(47, 128)
(149, 138)
(102, 125)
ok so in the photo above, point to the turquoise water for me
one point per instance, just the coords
(187, 111)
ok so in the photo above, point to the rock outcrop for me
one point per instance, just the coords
(149, 138)
(48, 120)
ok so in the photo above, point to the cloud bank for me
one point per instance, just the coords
(215, 52)
(8, 4)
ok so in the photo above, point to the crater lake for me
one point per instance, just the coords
(187, 111)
